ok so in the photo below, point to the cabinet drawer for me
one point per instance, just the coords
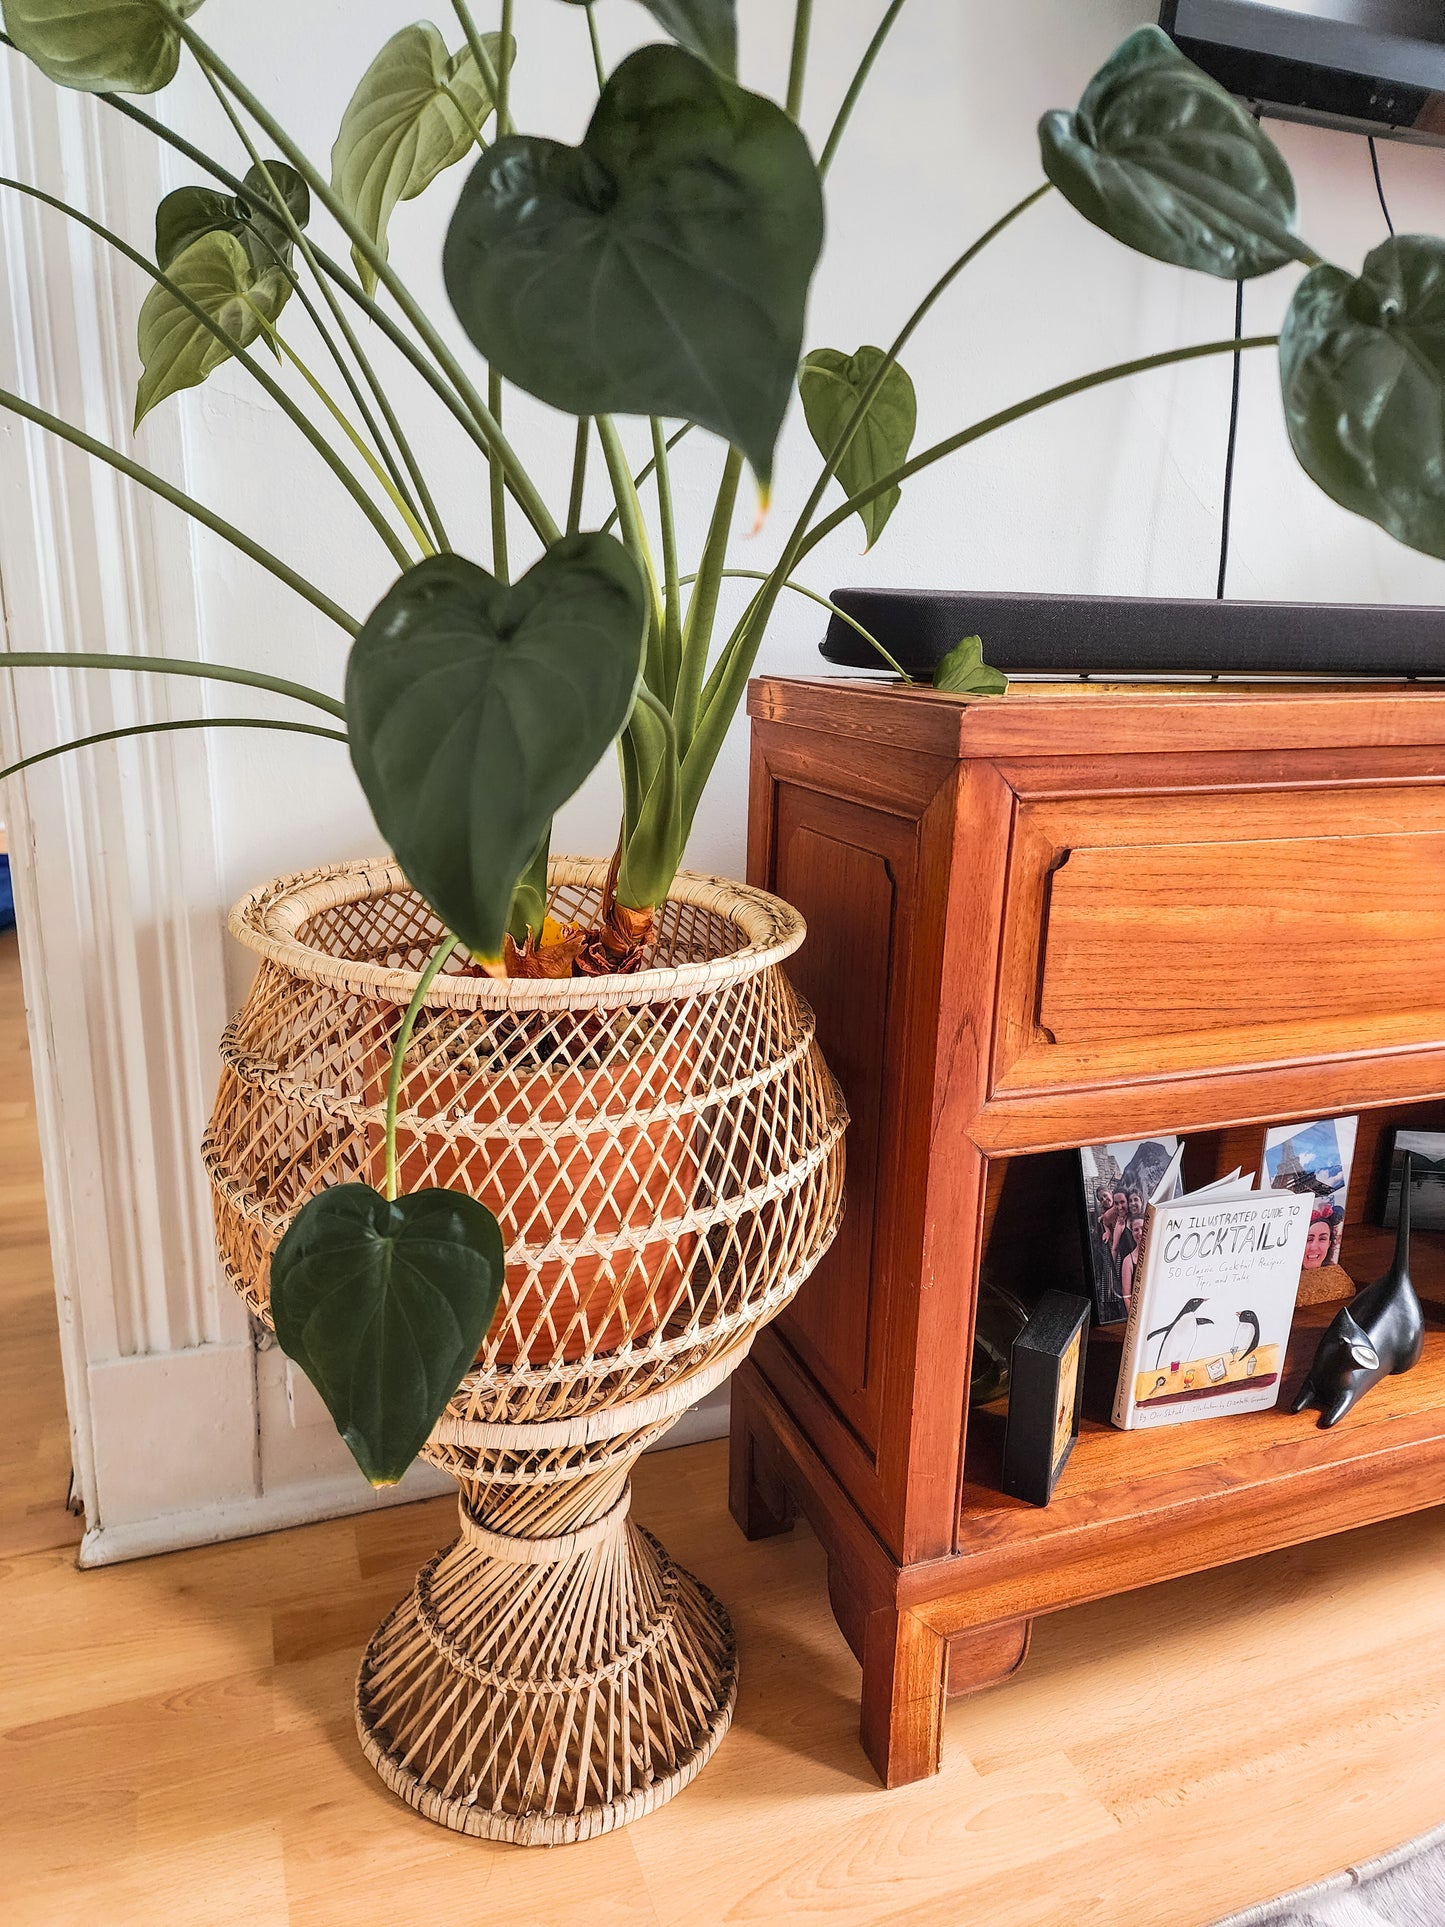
(1149, 937)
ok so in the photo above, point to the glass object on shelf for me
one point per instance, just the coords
(999, 1321)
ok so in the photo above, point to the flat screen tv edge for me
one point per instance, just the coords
(1127, 638)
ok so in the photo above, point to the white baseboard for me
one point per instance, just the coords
(295, 1505)
(329, 1498)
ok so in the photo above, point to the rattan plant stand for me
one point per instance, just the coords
(664, 1153)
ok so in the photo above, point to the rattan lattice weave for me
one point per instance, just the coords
(664, 1153)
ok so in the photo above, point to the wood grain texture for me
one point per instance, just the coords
(1157, 910)
(176, 1745)
(34, 1436)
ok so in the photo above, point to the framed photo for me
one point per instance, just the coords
(1046, 1395)
(1315, 1157)
(1118, 1180)
(1427, 1179)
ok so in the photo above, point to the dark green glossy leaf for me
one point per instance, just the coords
(417, 110)
(831, 385)
(384, 1306)
(99, 46)
(1362, 367)
(475, 710)
(190, 212)
(708, 28)
(963, 672)
(1159, 156)
(661, 268)
(176, 350)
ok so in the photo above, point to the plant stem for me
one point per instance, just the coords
(495, 83)
(905, 334)
(634, 534)
(642, 474)
(338, 414)
(157, 729)
(1078, 386)
(497, 485)
(728, 681)
(198, 511)
(398, 1056)
(579, 474)
(597, 61)
(302, 244)
(824, 602)
(671, 595)
(747, 636)
(798, 65)
(528, 914)
(497, 473)
(169, 666)
(519, 480)
(419, 504)
(235, 348)
(328, 271)
(702, 608)
(856, 86)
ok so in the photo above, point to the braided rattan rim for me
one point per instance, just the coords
(269, 920)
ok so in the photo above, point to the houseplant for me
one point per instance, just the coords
(659, 270)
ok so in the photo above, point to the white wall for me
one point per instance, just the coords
(1116, 492)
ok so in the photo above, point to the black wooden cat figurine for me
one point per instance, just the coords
(1381, 1330)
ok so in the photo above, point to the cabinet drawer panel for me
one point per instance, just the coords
(1156, 936)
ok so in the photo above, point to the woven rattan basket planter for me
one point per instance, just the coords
(664, 1153)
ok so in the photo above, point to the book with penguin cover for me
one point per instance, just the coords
(1213, 1301)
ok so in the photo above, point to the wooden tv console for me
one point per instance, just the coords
(1072, 915)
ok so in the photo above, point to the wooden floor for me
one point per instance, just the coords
(176, 1746)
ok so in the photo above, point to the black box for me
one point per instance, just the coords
(1046, 1393)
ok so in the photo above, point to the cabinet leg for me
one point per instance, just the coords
(757, 1497)
(904, 1666)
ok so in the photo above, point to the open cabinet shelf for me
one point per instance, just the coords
(1215, 1480)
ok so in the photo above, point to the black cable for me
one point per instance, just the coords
(1233, 440)
(1379, 184)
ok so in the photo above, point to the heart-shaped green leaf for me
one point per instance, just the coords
(475, 710)
(416, 111)
(661, 268)
(1362, 367)
(190, 212)
(1159, 156)
(831, 385)
(963, 671)
(177, 351)
(99, 46)
(384, 1306)
(708, 28)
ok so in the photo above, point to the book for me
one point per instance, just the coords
(1117, 1182)
(1213, 1301)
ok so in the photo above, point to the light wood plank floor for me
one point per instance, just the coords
(176, 1746)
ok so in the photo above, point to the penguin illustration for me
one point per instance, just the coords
(1247, 1328)
(1184, 1330)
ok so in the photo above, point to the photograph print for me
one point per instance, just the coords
(1117, 1182)
(1315, 1157)
(1427, 1179)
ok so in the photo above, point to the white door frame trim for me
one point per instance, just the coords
(119, 894)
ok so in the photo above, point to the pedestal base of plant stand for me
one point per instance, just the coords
(542, 1759)
(553, 1673)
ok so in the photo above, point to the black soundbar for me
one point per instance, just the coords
(1127, 636)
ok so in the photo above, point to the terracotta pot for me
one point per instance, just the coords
(561, 1157)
